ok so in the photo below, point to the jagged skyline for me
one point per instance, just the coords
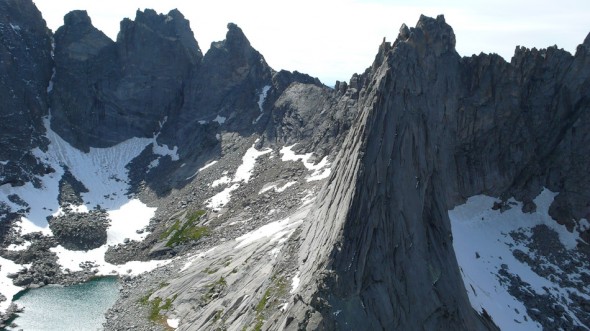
(348, 37)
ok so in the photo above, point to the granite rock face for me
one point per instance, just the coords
(106, 92)
(310, 116)
(523, 126)
(25, 70)
(223, 91)
(385, 258)
(433, 130)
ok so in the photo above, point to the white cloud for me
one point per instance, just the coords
(334, 39)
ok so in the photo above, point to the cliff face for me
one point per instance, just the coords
(25, 69)
(385, 238)
(515, 123)
(433, 130)
(106, 92)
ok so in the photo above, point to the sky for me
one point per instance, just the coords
(333, 39)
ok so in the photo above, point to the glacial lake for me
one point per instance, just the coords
(75, 308)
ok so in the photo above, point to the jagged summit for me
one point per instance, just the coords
(172, 25)
(433, 33)
(235, 37)
(77, 17)
(83, 40)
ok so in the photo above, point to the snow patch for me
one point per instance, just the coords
(276, 187)
(76, 209)
(207, 165)
(262, 97)
(164, 150)
(257, 118)
(261, 100)
(8, 289)
(221, 181)
(295, 283)
(243, 174)
(50, 85)
(308, 198)
(25, 245)
(275, 231)
(482, 243)
(319, 170)
(72, 259)
(244, 171)
(319, 175)
(154, 164)
(173, 322)
(200, 169)
(222, 198)
(125, 221)
(220, 119)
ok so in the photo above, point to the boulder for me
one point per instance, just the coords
(80, 231)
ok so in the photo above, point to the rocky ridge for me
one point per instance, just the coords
(25, 69)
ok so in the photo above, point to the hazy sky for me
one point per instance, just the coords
(332, 39)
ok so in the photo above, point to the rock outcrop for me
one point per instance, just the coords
(80, 231)
(228, 82)
(378, 250)
(433, 130)
(25, 70)
(106, 92)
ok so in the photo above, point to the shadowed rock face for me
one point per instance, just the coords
(25, 69)
(433, 130)
(225, 87)
(388, 255)
(107, 92)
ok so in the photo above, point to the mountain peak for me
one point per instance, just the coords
(78, 38)
(235, 37)
(172, 27)
(77, 17)
(430, 33)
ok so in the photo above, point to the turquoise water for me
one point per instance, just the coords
(75, 308)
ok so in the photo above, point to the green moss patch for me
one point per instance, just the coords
(213, 289)
(269, 300)
(156, 306)
(181, 232)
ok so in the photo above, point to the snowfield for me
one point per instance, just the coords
(8, 289)
(103, 172)
(484, 243)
